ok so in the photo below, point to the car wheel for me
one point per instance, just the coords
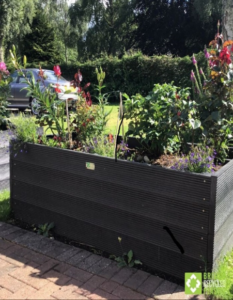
(35, 106)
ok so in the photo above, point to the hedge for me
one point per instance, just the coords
(134, 73)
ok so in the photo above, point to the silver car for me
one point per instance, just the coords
(18, 97)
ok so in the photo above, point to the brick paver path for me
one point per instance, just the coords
(35, 267)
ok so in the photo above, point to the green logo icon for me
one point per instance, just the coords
(193, 283)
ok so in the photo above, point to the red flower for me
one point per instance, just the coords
(87, 85)
(110, 138)
(177, 96)
(57, 90)
(225, 56)
(83, 124)
(178, 113)
(57, 71)
(88, 99)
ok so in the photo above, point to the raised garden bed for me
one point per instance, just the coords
(175, 222)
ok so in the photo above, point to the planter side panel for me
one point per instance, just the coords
(223, 230)
(161, 211)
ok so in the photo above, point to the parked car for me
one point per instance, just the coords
(18, 97)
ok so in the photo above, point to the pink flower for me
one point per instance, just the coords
(225, 56)
(57, 71)
(2, 66)
(88, 99)
(80, 76)
(192, 77)
(194, 60)
(201, 71)
(207, 55)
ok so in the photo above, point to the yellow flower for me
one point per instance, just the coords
(119, 239)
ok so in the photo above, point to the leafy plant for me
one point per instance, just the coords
(214, 94)
(199, 160)
(102, 145)
(24, 128)
(45, 229)
(163, 119)
(5, 80)
(50, 110)
(127, 258)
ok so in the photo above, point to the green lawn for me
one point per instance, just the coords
(4, 205)
(112, 122)
(223, 272)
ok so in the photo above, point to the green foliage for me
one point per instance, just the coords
(4, 205)
(44, 229)
(39, 45)
(134, 72)
(222, 272)
(85, 121)
(199, 160)
(24, 128)
(160, 119)
(102, 145)
(214, 95)
(5, 80)
(127, 258)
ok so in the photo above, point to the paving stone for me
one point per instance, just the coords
(126, 293)
(4, 226)
(136, 279)
(165, 289)
(76, 259)
(25, 275)
(15, 234)
(92, 284)
(42, 246)
(89, 261)
(57, 249)
(68, 254)
(56, 277)
(150, 285)
(78, 274)
(45, 292)
(179, 294)
(45, 267)
(4, 294)
(30, 240)
(36, 257)
(110, 271)
(11, 284)
(5, 244)
(123, 275)
(102, 295)
(8, 231)
(6, 268)
(99, 266)
(109, 286)
(61, 267)
(16, 260)
(23, 293)
(69, 291)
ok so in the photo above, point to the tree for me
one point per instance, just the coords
(40, 45)
(227, 20)
(106, 26)
(16, 17)
(171, 26)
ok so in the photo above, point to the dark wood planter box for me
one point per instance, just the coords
(174, 222)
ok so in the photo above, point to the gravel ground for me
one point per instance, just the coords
(4, 159)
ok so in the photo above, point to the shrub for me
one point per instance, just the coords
(133, 73)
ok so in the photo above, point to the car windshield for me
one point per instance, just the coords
(51, 76)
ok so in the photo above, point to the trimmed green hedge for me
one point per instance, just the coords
(134, 73)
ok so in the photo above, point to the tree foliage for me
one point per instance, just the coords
(16, 17)
(39, 45)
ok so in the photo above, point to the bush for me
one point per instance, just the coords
(133, 73)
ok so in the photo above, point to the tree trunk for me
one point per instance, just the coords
(227, 22)
(1, 49)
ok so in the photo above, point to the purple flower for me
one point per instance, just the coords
(192, 77)
(192, 154)
(2, 66)
(208, 165)
(194, 60)
(207, 55)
